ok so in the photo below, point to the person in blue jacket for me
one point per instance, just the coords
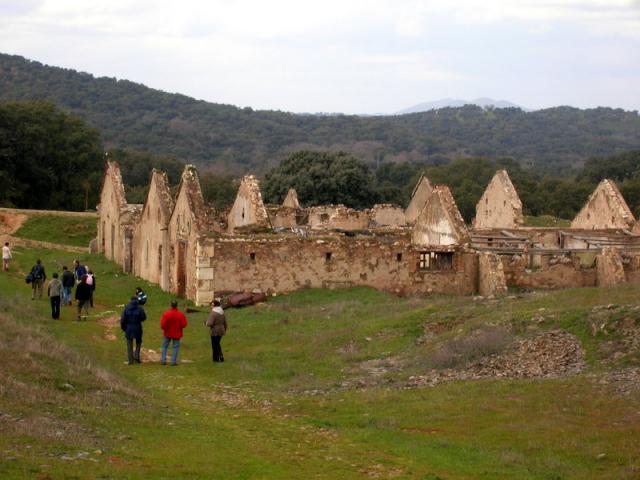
(131, 324)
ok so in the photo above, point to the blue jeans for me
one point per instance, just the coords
(174, 355)
(66, 295)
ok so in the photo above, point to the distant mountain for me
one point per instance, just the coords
(239, 140)
(483, 102)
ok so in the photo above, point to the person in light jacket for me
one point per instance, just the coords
(217, 324)
(54, 290)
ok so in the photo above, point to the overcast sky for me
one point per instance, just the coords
(344, 55)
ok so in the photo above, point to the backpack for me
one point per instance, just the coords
(29, 278)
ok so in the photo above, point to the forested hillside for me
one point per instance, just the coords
(236, 141)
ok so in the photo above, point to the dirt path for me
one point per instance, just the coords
(11, 219)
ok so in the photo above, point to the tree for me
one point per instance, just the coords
(322, 178)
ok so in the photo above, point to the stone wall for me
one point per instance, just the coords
(491, 278)
(285, 264)
(440, 222)
(500, 205)
(548, 272)
(151, 236)
(419, 197)
(385, 215)
(338, 217)
(605, 208)
(610, 268)
(248, 208)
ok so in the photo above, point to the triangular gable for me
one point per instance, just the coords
(500, 205)
(190, 187)
(248, 208)
(606, 208)
(112, 186)
(439, 222)
(291, 200)
(419, 198)
(159, 190)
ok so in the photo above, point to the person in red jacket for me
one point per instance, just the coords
(172, 322)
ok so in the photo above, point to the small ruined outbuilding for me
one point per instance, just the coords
(500, 205)
(606, 208)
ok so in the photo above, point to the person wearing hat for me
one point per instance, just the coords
(172, 322)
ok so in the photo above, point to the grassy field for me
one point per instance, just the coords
(76, 231)
(315, 385)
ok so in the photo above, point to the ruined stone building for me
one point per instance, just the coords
(195, 251)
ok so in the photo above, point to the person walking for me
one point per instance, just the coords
(91, 281)
(54, 290)
(68, 281)
(172, 322)
(131, 324)
(6, 257)
(38, 276)
(83, 294)
(78, 270)
(217, 324)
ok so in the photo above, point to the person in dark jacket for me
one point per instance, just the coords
(83, 295)
(91, 281)
(68, 281)
(131, 324)
(38, 276)
(78, 270)
(217, 324)
(172, 322)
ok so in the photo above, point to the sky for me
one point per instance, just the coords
(350, 56)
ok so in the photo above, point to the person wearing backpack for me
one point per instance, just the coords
(91, 281)
(38, 276)
(83, 294)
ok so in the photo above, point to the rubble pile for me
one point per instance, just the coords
(551, 354)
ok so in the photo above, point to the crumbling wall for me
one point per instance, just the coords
(440, 222)
(112, 201)
(548, 272)
(419, 197)
(500, 205)
(605, 209)
(491, 278)
(281, 216)
(151, 235)
(291, 200)
(189, 221)
(610, 268)
(248, 208)
(205, 280)
(338, 217)
(386, 215)
(285, 264)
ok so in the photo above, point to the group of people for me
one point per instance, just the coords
(60, 289)
(172, 323)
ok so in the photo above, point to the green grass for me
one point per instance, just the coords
(545, 221)
(75, 231)
(287, 403)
